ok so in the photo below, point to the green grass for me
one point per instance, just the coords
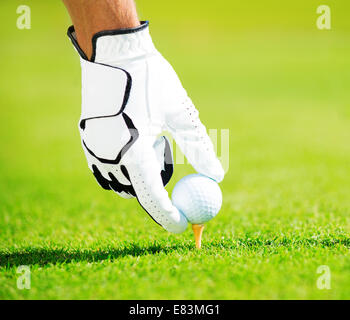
(265, 72)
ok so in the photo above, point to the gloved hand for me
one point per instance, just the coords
(130, 94)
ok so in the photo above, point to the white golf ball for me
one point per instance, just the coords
(198, 198)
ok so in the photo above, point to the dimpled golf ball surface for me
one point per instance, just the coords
(198, 197)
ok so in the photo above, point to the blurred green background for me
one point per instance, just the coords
(263, 70)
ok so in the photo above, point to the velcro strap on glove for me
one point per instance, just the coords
(105, 90)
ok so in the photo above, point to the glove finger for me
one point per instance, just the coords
(126, 191)
(123, 190)
(192, 138)
(164, 155)
(102, 181)
(144, 172)
(110, 176)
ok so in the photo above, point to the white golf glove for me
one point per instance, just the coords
(130, 95)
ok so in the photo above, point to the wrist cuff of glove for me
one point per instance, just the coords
(113, 46)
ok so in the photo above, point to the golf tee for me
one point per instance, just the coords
(198, 230)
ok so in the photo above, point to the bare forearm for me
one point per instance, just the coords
(92, 16)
